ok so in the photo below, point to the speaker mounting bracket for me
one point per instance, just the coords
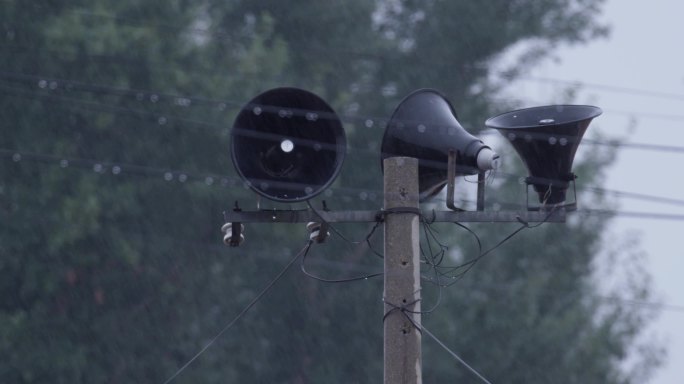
(451, 182)
(451, 185)
(568, 207)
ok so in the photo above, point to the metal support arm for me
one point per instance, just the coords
(307, 215)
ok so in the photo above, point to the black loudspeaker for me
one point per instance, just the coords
(288, 144)
(546, 138)
(425, 126)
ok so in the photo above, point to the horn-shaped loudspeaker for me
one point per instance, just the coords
(425, 126)
(288, 144)
(546, 138)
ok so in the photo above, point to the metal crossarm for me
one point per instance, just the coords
(431, 216)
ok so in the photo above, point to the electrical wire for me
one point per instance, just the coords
(191, 100)
(242, 313)
(607, 87)
(325, 280)
(468, 265)
(422, 329)
(366, 239)
(453, 354)
(183, 177)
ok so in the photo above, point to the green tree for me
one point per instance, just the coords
(115, 169)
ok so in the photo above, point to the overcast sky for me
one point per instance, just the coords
(637, 77)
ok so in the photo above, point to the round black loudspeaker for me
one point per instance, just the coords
(288, 144)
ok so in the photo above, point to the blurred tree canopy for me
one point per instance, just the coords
(114, 171)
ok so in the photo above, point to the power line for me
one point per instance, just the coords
(162, 173)
(632, 214)
(114, 168)
(242, 313)
(637, 196)
(641, 146)
(453, 354)
(607, 87)
(161, 118)
(97, 107)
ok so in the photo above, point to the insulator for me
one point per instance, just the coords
(314, 229)
(227, 228)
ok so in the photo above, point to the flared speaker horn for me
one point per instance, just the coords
(288, 144)
(546, 138)
(425, 126)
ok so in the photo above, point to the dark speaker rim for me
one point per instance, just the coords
(339, 137)
(496, 121)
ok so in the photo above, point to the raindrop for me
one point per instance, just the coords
(161, 120)
(264, 186)
(389, 90)
(353, 108)
(16, 157)
(64, 163)
(222, 106)
(317, 147)
(308, 190)
(283, 113)
(208, 180)
(522, 181)
(328, 192)
(311, 116)
(98, 168)
(53, 85)
(116, 169)
(256, 110)
(182, 178)
(369, 123)
(363, 195)
(154, 98)
(511, 136)
(421, 128)
(183, 102)
(552, 140)
(42, 84)
(563, 141)
(168, 176)
(528, 138)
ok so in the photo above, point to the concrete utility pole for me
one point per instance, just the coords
(402, 350)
